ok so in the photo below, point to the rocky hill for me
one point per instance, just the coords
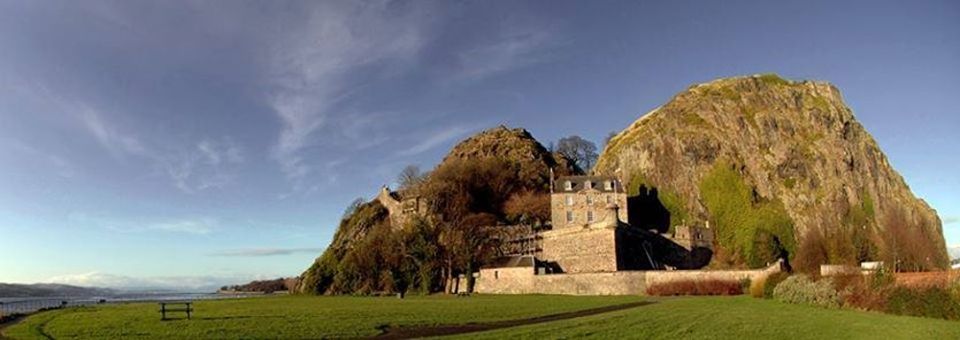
(761, 156)
(516, 154)
(516, 146)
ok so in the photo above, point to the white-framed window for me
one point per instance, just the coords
(589, 215)
(569, 217)
(608, 185)
(589, 199)
(609, 199)
(568, 185)
(568, 199)
(588, 185)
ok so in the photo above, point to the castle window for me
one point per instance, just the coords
(589, 215)
(568, 185)
(569, 199)
(609, 199)
(569, 217)
(608, 185)
(589, 199)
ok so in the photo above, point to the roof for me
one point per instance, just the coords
(512, 261)
(579, 183)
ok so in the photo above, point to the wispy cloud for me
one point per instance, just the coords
(108, 135)
(194, 226)
(951, 219)
(316, 69)
(61, 166)
(190, 226)
(435, 140)
(259, 252)
(210, 164)
(516, 44)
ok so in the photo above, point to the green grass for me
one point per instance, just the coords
(295, 316)
(739, 317)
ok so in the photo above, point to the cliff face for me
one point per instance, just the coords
(792, 143)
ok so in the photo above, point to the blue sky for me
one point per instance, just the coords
(198, 143)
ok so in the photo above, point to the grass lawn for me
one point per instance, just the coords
(295, 316)
(316, 317)
(740, 317)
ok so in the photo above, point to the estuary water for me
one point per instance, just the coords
(24, 305)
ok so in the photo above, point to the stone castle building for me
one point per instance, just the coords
(588, 230)
(401, 207)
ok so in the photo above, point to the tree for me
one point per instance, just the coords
(352, 208)
(410, 177)
(528, 207)
(579, 150)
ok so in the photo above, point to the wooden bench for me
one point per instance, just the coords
(179, 306)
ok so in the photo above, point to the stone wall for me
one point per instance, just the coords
(525, 280)
(581, 249)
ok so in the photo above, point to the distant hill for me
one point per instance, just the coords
(8, 290)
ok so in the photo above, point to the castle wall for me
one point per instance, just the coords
(525, 281)
(582, 249)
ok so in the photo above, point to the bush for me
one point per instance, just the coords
(931, 302)
(696, 287)
(771, 282)
(800, 289)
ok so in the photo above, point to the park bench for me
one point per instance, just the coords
(177, 306)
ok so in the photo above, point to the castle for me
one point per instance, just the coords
(590, 247)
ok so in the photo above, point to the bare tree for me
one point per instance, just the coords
(581, 151)
(352, 208)
(410, 177)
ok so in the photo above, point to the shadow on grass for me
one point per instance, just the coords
(429, 331)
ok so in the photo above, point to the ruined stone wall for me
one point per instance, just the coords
(581, 203)
(581, 249)
(524, 282)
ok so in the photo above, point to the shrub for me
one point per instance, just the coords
(931, 302)
(771, 282)
(696, 287)
(800, 289)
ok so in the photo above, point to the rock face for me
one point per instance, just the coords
(513, 145)
(792, 142)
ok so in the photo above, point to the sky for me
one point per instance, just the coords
(193, 144)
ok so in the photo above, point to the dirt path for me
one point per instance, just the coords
(428, 331)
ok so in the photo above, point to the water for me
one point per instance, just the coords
(24, 305)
